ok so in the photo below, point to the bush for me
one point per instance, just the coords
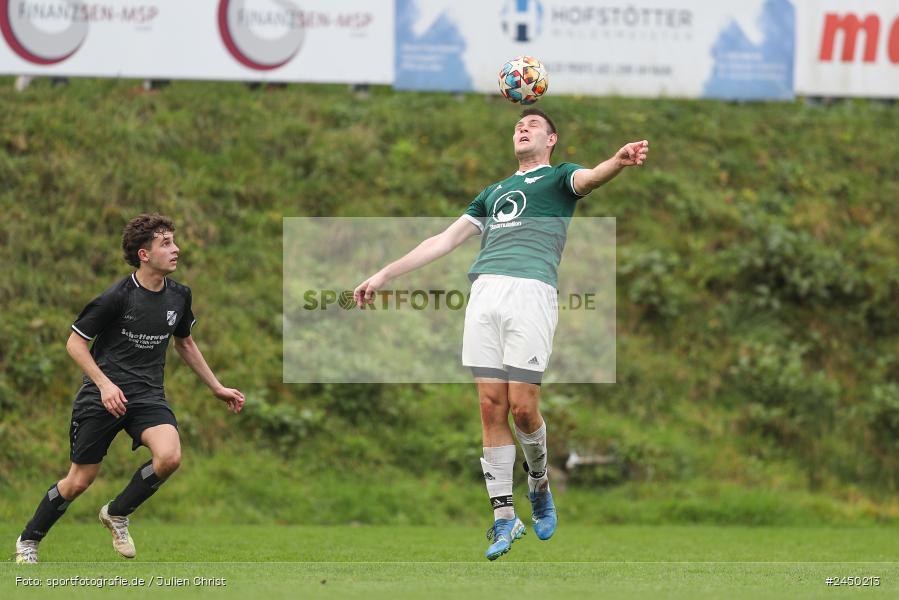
(778, 264)
(879, 413)
(283, 426)
(651, 279)
(785, 402)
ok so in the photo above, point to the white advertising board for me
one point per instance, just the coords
(847, 48)
(686, 48)
(277, 40)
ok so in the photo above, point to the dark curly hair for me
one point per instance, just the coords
(139, 233)
(552, 126)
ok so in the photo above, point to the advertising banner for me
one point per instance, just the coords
(847, 48)
(277, 40)
(686, 48)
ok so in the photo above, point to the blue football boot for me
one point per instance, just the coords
(503, 533)
(543, 510)
(544, 513)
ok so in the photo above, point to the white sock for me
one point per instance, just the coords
(497, 464)
(534, 446)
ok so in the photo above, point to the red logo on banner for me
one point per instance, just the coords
(851, 26)
(240, 23)
(19, 20)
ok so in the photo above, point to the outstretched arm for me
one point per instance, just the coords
(191, 354)
(630, 155)
(426, 252)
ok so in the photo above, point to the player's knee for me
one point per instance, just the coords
(493, 408)
(167, 463)
(524, 415)
(74, 486)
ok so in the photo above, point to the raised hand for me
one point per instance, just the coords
(633, 154)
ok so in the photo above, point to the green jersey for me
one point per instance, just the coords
(524, 223)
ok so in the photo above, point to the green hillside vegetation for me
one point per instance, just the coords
(758, 277)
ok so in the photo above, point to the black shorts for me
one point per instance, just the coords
(92, 431)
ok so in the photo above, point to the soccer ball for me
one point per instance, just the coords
(523, 79)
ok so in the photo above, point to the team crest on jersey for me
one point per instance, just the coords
(171, 316)
(509, 206)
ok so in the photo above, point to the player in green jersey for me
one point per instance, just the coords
(512, 312)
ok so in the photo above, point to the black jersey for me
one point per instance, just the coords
(130, 327)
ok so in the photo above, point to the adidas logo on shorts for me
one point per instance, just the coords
(534, 361)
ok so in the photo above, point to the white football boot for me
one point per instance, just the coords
(118, 526)
(26, 551)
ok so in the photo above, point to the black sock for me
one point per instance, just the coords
(48, 512)
(143, 485)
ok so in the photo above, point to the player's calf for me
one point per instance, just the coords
(52, 506)
(143, 484)
(542, 506)
(114, 515)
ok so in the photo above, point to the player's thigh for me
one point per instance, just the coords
(155, 427)
(528, 344)
(162, 440)
(529, 329)
(482, 334)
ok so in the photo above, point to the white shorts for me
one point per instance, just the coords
(509, 326)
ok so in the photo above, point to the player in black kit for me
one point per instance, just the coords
(130, 325)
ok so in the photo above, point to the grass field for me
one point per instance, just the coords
(397, 562)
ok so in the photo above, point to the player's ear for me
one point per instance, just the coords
(143, 255)
(552, 139)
